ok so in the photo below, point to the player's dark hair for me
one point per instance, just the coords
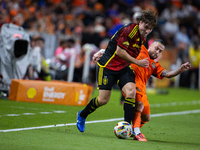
(149, 17)
(160, 41)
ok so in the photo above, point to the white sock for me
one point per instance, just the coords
(137, 130)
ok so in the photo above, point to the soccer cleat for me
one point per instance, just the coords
(80, 122)
(140, 137)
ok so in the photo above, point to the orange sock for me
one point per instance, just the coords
(137, 119)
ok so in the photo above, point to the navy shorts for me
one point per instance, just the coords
(106, 78)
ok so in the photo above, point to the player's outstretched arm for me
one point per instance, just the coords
(170, 74)
(125, 56)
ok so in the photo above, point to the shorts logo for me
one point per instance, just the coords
(105, 80)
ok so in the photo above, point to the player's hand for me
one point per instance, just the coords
(96, 56)
(143, 63)
(185, 66)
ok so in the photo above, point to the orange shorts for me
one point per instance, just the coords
(142, 96)
(144, 100)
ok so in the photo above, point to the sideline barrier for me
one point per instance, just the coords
(53, 92)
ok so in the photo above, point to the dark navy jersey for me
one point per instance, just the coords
(129, 39)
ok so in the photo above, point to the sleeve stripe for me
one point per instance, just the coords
(161, 72)
(133, 32)
(107, 61)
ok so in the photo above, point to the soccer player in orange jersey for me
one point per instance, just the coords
(142, 112)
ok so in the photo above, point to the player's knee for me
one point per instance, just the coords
(102, 101)
(146, 118)
(131, 93)
(139, 105)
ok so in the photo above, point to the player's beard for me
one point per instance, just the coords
(152, 56)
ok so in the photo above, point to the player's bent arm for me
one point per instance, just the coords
(125, 56)
(170, 74)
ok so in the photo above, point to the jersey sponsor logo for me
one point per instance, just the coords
(126, 43)
(136, 45)
(153, 65)
(105, 80)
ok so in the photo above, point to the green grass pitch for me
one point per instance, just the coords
(54, 126)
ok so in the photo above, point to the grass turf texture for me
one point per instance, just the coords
(163, 133)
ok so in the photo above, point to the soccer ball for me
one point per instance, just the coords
(123, 130)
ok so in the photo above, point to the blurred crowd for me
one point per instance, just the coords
(95, 21)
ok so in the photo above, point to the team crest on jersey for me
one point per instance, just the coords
(105, 80)
(153, 65)
(126, 43)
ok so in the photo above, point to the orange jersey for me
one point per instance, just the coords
(142, 74)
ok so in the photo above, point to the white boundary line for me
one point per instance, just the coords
(98, 121)
(194, 102)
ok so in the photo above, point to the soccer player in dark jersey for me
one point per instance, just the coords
(123, 48)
